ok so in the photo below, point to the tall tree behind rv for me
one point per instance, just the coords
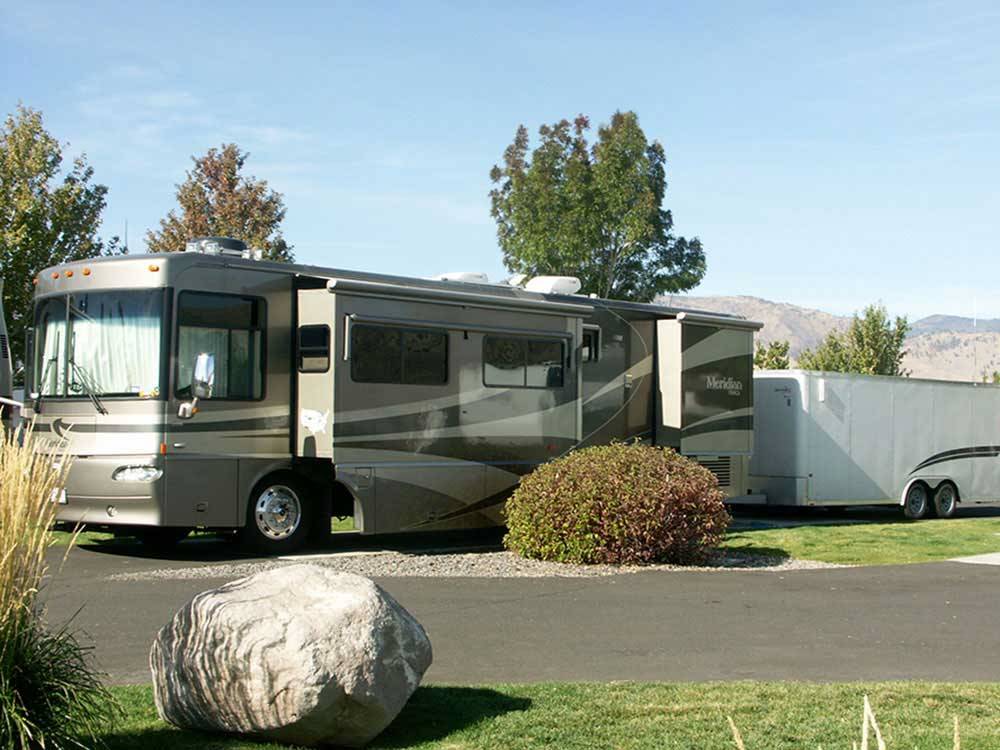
(773, 356)
(47, 215)
(217, 199)
(871, 345)
(592, 211)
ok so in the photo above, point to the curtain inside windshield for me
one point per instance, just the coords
(50, 324)
(111, 346)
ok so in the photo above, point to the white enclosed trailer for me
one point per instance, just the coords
(835, 439)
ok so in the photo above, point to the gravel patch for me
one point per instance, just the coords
(489, 564)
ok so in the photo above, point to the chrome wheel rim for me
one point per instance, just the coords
(946, 499)
(278, 512)
(916, 500)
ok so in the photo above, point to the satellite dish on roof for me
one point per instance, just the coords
(466, 277)
(517, 279)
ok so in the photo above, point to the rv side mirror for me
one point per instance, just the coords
(202, 381)
(203, 376)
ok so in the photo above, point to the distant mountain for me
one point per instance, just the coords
(953, 324)
(947, 355)
(942, 347)
(802, 327)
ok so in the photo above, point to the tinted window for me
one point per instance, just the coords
(590, 350)
(382, 354)
(503, 361)
(515, 362)
(544, 364)
(425, 357)
(314, 348)
(231, 328)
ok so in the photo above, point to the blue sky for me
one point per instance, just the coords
(827, 154)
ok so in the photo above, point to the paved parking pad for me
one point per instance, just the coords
(933, 621)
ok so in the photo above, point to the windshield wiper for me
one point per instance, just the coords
(41, 384)
(45, 374)
(87, 382)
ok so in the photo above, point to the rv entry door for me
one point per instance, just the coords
(314, 367)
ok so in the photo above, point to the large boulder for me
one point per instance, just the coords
(298, 654)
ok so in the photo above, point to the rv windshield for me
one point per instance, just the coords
(99, 344)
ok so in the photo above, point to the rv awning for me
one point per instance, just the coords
(459, 297)
(722, 321)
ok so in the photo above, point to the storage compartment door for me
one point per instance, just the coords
(313, 363)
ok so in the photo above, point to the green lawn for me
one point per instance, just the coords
(640, 715)
(61, 538)
(875, 543)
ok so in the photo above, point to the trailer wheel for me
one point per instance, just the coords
(917, 502)
(945, 500)
(278, 516)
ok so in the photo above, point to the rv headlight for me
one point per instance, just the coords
(137, 474)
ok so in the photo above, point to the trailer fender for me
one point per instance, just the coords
(932, 482)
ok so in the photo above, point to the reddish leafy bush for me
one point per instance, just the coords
(629, 504)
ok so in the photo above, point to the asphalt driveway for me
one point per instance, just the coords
(936, 621)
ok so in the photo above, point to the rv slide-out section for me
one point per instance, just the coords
(841, 439)
(705, 395)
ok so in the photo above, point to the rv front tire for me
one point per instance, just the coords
(278, 516)
(917, 502)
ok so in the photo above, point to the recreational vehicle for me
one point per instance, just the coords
(210, 389)
(835, 439)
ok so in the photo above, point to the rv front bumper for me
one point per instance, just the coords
(94, 496)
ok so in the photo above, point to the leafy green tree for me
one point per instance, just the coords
(48, 215)
(871, 345)
(216, 199)
(993, 377)
(773, 356)
(592, 210)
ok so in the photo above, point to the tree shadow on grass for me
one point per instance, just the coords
(435, 712)
(432, 714)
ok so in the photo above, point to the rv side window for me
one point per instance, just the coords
(230, 327)
(590, 350)
(522, 363)
(404, 356)
(314, 348)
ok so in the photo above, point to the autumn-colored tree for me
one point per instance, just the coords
(592, 211)
(871, 345)
(216, 199)
(47, 215)
(773, 356)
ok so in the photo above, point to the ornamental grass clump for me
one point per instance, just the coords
(50, 695)
(618, 504)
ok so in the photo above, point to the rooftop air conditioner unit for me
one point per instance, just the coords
(554, 285)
